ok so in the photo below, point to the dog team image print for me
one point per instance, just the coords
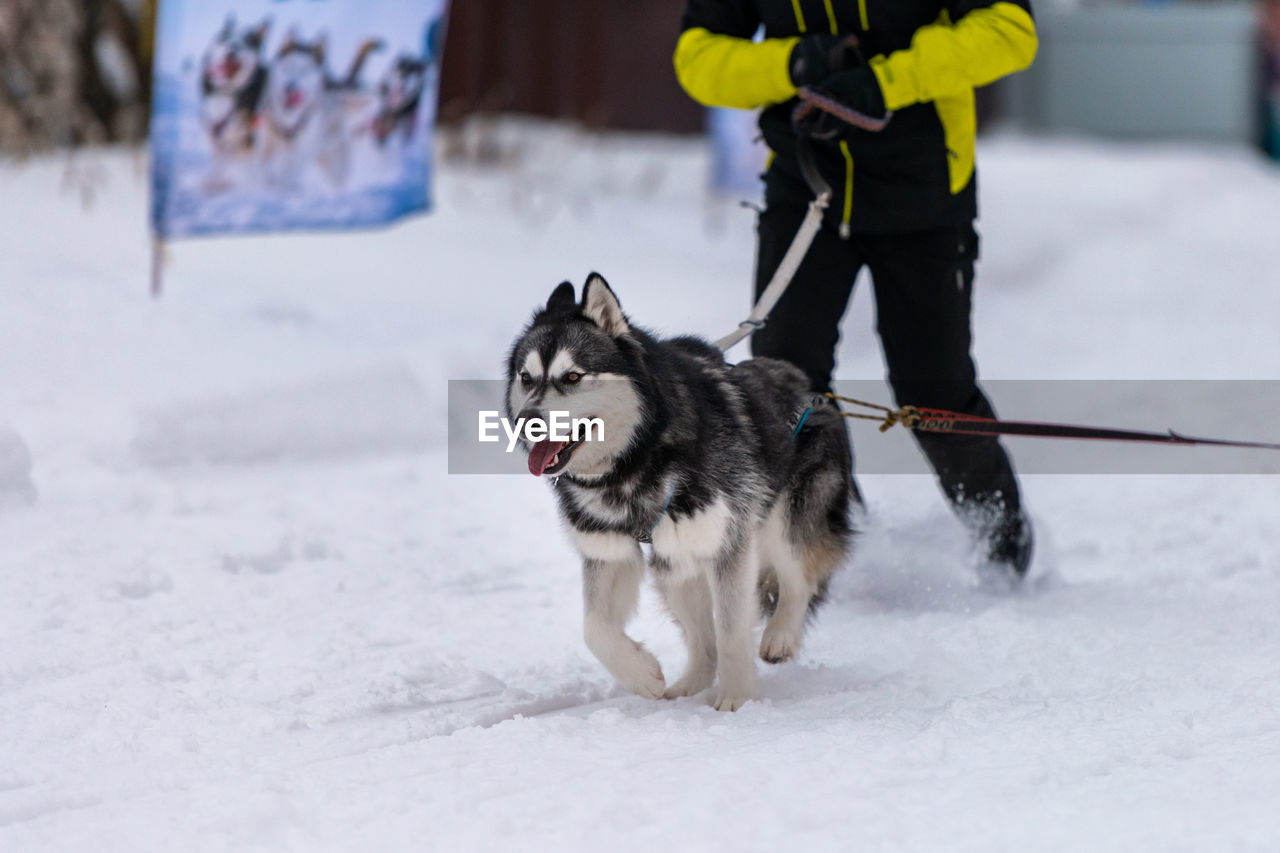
(284, 115)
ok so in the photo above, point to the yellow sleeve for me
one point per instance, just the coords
(724, 71)
(945, 59)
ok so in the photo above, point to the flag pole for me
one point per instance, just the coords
(157, 265)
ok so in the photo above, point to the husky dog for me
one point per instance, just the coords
(399, 96)
(233, 81)
(739, 477)
(308, 114)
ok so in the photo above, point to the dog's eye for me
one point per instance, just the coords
(573, 378)
(525, 378)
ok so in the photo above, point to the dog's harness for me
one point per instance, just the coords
(801, 416)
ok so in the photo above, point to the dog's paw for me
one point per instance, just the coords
(641, 673)
(732, 699)
(778, 644)
(690, 683)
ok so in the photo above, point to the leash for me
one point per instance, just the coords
(956, 423)
(791, 261)
(911, 417)
(812, 222)
(811, 100)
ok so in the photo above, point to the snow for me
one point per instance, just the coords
(16, 487)
(375, 411)
(244, 607)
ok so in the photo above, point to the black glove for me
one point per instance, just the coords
(815, 58)
(856, 88)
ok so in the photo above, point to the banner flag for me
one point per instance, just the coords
(739, 155)
(273, 115)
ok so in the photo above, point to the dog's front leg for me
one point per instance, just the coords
(610, 589)
(689, 600)
(733, 588)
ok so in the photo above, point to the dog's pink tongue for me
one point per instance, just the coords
(541, 455)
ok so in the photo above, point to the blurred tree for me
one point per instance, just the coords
(73, 72)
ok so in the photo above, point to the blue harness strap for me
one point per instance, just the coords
(803, 417)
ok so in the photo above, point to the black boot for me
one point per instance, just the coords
(1010, 545)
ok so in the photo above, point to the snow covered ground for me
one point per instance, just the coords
(242, 605)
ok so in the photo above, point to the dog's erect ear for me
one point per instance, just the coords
(320, 48)
(258, 35)
(229, 28)
(290, 39)
(562, 299)
(602, 308)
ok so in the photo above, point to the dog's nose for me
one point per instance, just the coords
(527, 415)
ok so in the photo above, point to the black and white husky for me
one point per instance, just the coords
(738, 476)
(309, 115)
(399, 98)
(233, 82)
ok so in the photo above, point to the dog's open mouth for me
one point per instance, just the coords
(551, 457)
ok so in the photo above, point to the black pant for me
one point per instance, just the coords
(923, 290)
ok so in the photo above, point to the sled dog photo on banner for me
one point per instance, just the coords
(292, 114)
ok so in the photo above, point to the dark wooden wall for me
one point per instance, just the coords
(606, 63)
